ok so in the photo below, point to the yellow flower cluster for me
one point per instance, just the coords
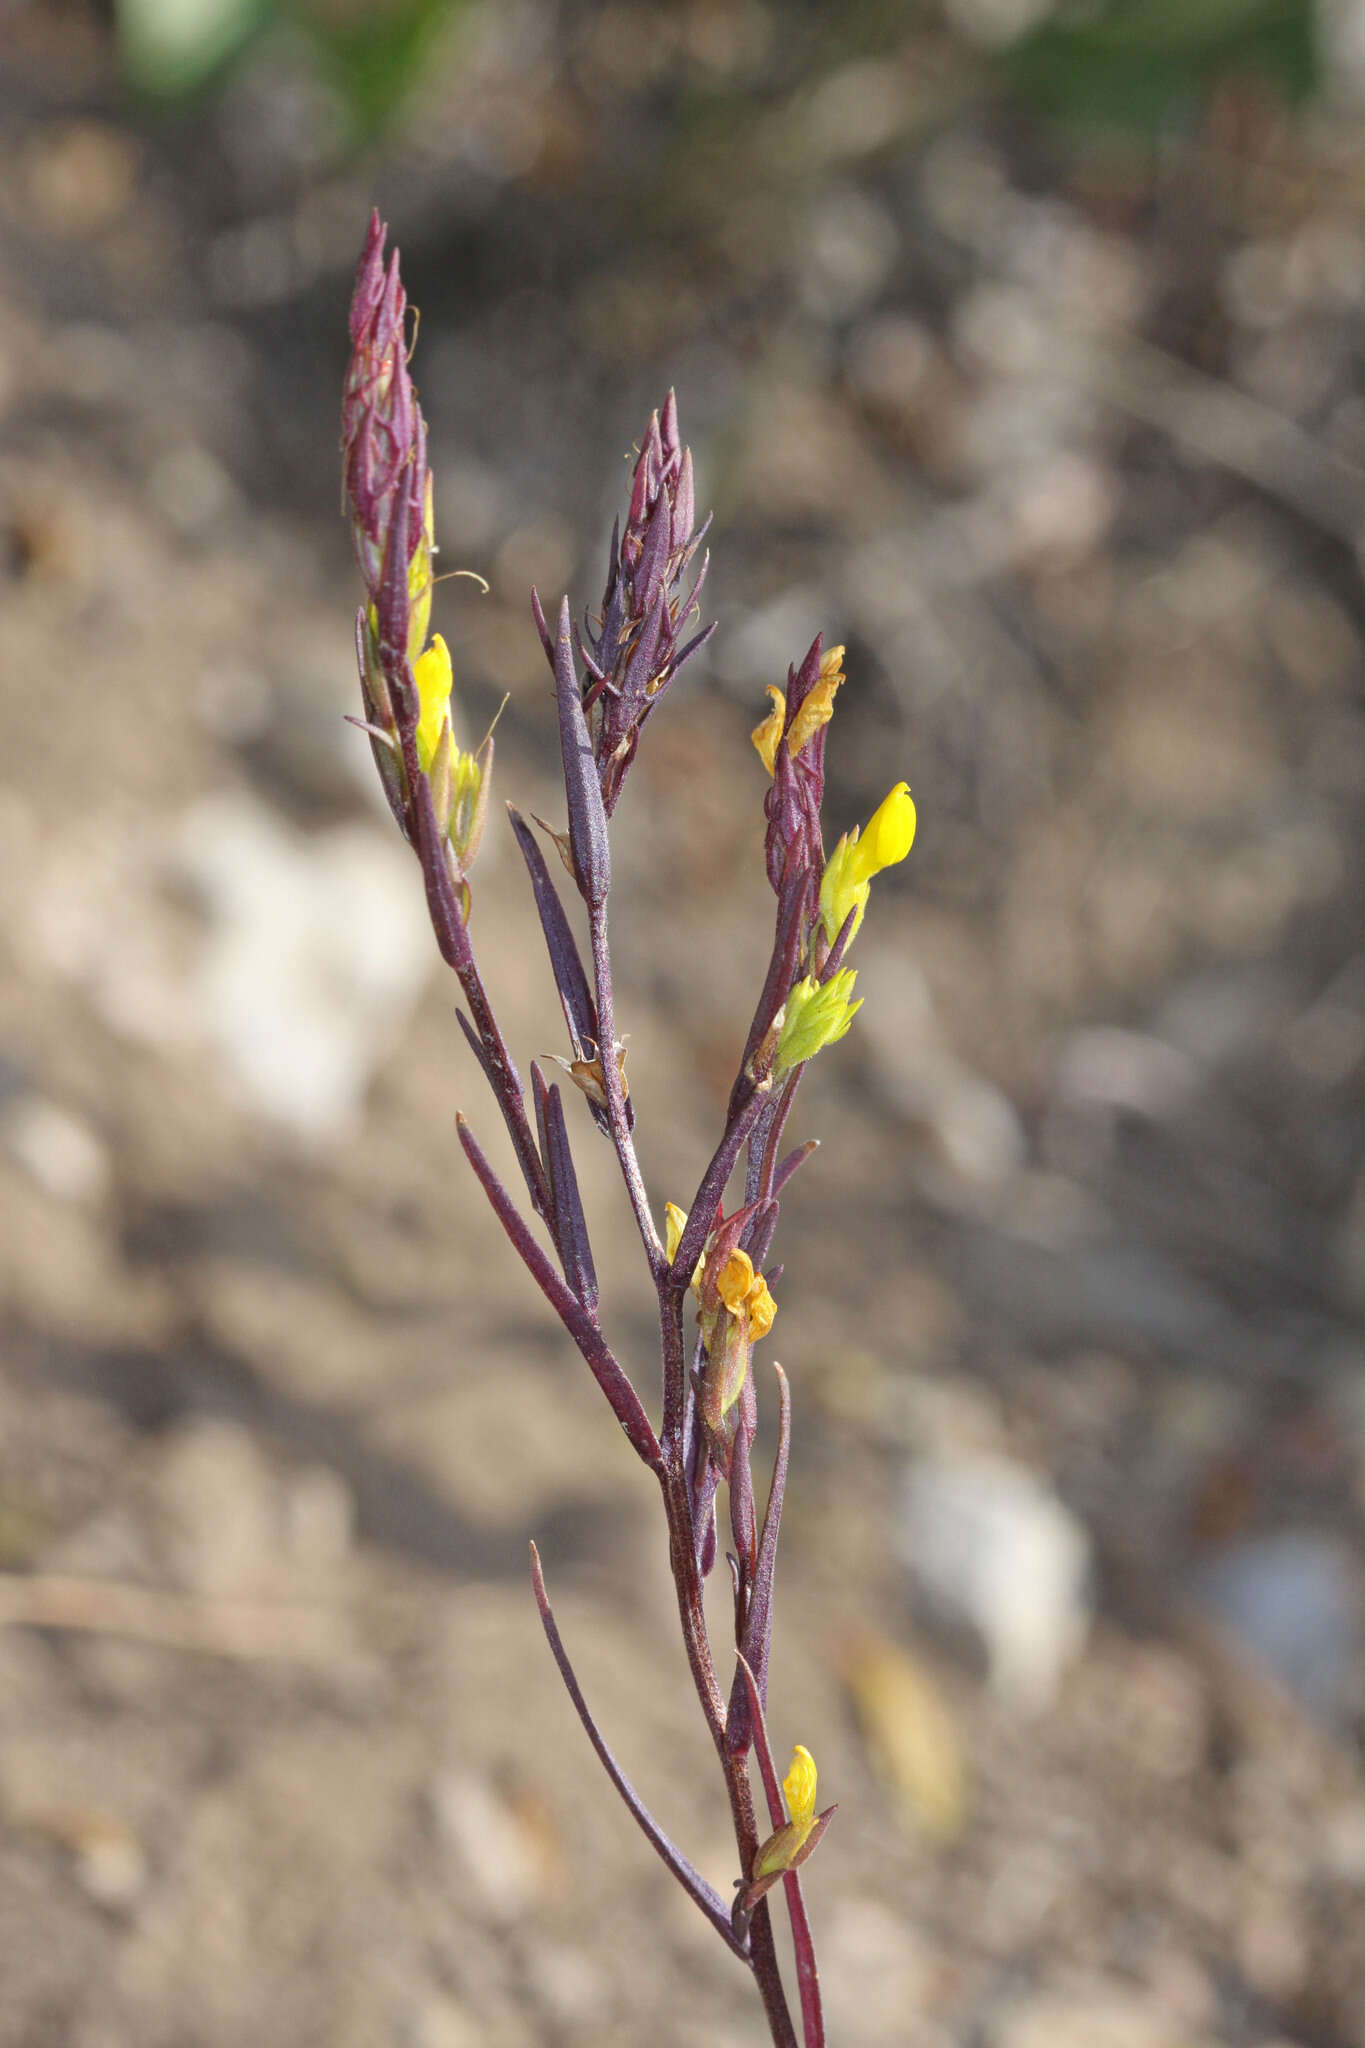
(737, 1309)
(819, 1013)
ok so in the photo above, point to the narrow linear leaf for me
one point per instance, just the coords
(703, 1894)
(587, 813)
(580, 1011)
(611, 1377)
(574, 1249)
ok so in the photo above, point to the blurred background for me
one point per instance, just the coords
(1019, 347)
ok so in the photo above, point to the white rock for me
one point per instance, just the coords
(996, 23)
(56, 1149)
(319, 947)
(992, 1548)
(490, 1843)
(846, 251)
(220, 1508)
(1130, 1071)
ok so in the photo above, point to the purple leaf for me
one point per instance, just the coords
(580, 1011)
(574, 1249)
(587, 815)
(621, 1396)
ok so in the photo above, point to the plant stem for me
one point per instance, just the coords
(615, 1091)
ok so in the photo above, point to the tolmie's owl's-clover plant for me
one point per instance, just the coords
(715, 1299)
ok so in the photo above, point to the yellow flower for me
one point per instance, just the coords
(889, 834)
(787, 1848)
(432, 674)
(767, 736)
(745, 1295)
(735, 1280)
(817, 709)
(817, 1014)
(885, 839)
(459, 781)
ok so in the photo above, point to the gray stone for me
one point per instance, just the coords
(1293, 1601)
(992, 1548)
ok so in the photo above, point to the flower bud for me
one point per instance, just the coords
(790, 1845)
(817, 1014)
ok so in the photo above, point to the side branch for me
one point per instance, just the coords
(692, 1882)
(602, 1363)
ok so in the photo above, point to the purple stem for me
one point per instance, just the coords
(807, 1969)
(615, 1092)
(758, 1622)
(701, 1215)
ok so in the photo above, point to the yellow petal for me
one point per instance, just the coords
(736, 1278)
(432, 675)
(767, 737)
(761, 1309)
(817, 707)
(888, 835)
(799, 1786)
(675, 1223)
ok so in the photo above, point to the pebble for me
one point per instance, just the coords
(1107, 1068)
(220, 1507)
(1292, 1599)
(846, 252)
(991, 1547)
(495, 1849)
(889, 363)
(191, 488)
(996, 23)
(319, 1518)
(56, 1148)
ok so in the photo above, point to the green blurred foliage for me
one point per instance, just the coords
(1149, 64)
(371, 50)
